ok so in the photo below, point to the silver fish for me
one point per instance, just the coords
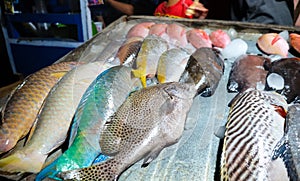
(149, 120)
(255, 124)
(289, 146)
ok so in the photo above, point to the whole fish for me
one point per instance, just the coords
(149, 120)
(25, 102)
(148, 57)
(129, 50)
(198, 38)
(255, 124)
(289, 70)
(53, 121)
(219, 38)
(288, 147)
(171, 65)
(248, 72)
(204, 69)
(273, 43)
(103, 97)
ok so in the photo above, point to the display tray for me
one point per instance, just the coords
(196, 155)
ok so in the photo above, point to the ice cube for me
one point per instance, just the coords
(275, 81)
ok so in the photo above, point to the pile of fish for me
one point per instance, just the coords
(93, 119)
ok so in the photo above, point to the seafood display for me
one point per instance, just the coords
(157, 93)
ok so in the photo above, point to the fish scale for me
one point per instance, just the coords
(252, 130)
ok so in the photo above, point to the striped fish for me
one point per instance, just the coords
(255, 124)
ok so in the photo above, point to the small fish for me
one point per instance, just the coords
(219, 38)
(129, 50)
(53, 120)
(295, 41)
(171, 65)
(25, 102)
(103, 97)
(148, 121)
(273, 43)
(288, 147)
(204, 69)
(248, 72)
(289, 69)
(255, 124)
(198, 38)
(140, 29)
(148, 57)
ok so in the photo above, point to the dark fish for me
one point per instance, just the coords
(204, 69)
(148, 121)
(255, 124)
(288, 147)
(289, 69)
(248, 72)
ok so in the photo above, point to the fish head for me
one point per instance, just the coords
(180, 90)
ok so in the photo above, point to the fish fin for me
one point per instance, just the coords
(140, 74)
(58, 74)
(49, 171)
(220, 133)
(280, 148)
(28, 161)
(151, 156)
(109, 140)
(100, 158)
(276, 38)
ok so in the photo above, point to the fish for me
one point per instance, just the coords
(171, 65)
(140, 29)
(52, 124)
(159, 29)
(288, 147)
(149, 120)
(204, 70)
(295, 41)
(177, 35)
(103, 97)
(273, 43)
(128, 51)
(148, 57)
(219, 38)
(254, 125)
(198, 38)
(248, 72)
(289, 70)
(25, 101)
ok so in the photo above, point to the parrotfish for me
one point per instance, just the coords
(129, 50)
(103, 97)
(140, 29)
(53, 120)
(273, 43)
(219, 38)
(25, 102)
(248, 72)
(289, 145)
(204, 69)
(171, 65)
(148, 57)
(198, 38)
(289, 70)
(255, 124)
(148, 121)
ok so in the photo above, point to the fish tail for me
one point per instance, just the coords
(140, 74)
(106, 171)
(23, 162)
(49, 171)
(161, 78)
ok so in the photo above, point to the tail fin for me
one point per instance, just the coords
(103, 171)
(21, 161)
(49, 171)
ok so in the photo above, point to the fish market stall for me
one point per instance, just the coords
(197, 154)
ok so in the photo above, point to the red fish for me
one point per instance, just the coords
(273, 43)
(199, 38)
(219, 38)
(141, 29)
(177, 34)
(295, 41)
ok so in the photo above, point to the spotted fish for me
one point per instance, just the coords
(108, 91)
(25, 102)
(149, 120)
(289, 146)
(255, 124)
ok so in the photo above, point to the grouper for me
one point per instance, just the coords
(148, 121)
